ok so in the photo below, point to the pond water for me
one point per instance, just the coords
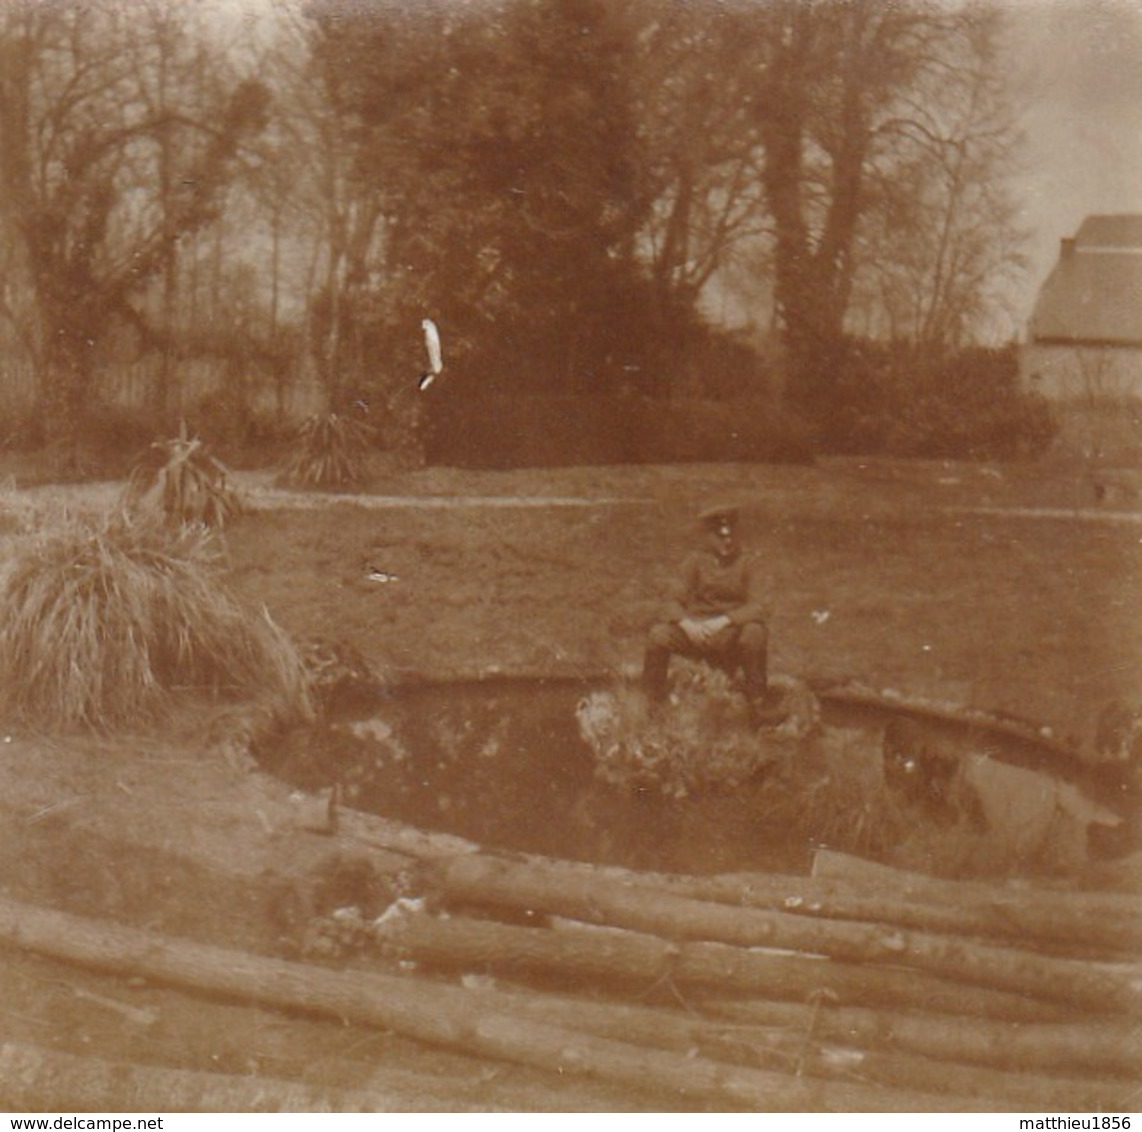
(505, 764)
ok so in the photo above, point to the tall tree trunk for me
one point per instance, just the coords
(814, 262)
(66, 386)
(808, 320)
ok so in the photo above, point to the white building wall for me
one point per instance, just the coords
(1081, 373)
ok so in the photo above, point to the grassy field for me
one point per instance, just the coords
(1001, 588)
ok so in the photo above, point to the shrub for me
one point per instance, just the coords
(905, 403)
(21, 429)
(971, 406)
(745, 430)
(497, 431)
(701, 741)
(104, 618)
(240, 434)
(112, 435)
(183, 482)
(332, 451)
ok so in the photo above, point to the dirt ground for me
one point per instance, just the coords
(1008, 588)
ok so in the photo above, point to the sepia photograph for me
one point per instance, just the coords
(570, 556)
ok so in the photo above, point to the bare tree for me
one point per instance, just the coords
(942, 241)
(703, 161)
(103, 172)
(330, 219)
(853, 102)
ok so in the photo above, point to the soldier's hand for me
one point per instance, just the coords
(702, 630)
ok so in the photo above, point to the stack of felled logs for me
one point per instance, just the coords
(857, 989)
(963, 993)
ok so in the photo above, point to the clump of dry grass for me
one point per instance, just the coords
(332, 451)
(180, 480)
(701, 740)
(104, 618)
(837, 795)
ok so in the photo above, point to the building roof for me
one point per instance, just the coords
(1123, 231)
(1094, 292)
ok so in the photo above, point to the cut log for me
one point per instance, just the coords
(832, 865)
(636, 961)
(1102, 1048)
(1031, 919)
(37, 1079)
(445, 1016)
(374, 832)
(846, 1061)
(1098, 986)
(812, 1040)
(1090, 924)
(848, 888)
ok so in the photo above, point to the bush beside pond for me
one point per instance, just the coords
(105, 618)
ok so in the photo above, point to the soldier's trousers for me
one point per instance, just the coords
(735, 647)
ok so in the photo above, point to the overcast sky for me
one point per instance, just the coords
(1080, 66)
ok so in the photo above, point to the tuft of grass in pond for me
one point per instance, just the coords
(104, 618)
(701, 740)
(839, 798)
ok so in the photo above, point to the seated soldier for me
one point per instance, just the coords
(717, 617)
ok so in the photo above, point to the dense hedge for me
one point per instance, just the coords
(512, 432)
(899, 402)
(875, 400)
(866, 399)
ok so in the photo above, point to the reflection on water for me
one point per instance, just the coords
(503, 764)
